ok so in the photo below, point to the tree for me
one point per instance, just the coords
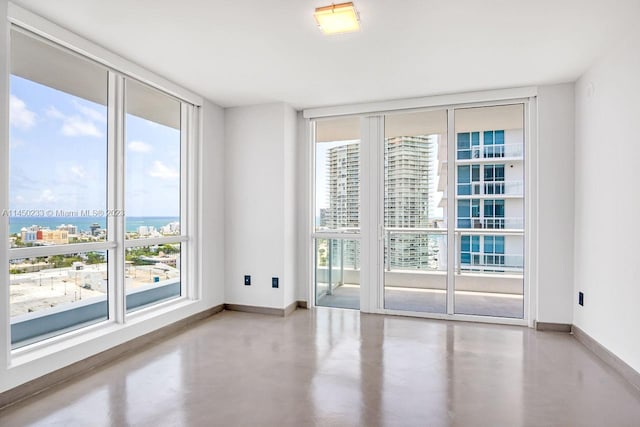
(57, 261)
(94, 258)
(169, 249)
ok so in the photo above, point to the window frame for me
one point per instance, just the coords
(372, 115)
(117, 70)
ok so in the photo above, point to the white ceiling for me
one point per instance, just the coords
(238, 52)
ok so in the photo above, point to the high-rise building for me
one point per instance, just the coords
(408, 198)
(490, 197)
(343, 168)
(409, 186)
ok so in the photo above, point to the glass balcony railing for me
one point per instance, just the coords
(337, 272)
(506, 188)
(497, 151)
(491, 223)
(421, 249)
(494, 262)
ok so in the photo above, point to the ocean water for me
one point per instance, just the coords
(84, 223)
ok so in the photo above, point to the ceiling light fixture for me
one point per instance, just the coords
(338, 18)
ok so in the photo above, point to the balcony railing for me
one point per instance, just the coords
(506, 188)
(502, 263)
(514, 223)
(400, 252)
(416, 257)
(497, 151)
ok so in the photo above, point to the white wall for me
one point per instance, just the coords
(555, 203)
(289, 206)
(212, 203)
(260, 204)
(607, 200)
(303, 209)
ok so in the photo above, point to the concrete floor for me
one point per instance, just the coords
(330, 367)
(431, 301)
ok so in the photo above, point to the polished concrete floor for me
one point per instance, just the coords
(331, 367)
(431, 301)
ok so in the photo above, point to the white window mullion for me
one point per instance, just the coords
(5, 328)
(371, 284)
(310, 226)
(367, 220)
(190, 174)
(116, 173)
(452, 239)
(185, 199)
(378, 177)
(530, 212)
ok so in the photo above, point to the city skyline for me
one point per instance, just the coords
(489, 195)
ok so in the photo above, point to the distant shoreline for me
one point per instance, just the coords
(84, 223)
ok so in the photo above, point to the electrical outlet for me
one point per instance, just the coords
(274, 282)
(581, 298)
(247, 280)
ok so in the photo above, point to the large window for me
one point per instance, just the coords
(84, 230)
(441, 199)
(152, 194)
(490, 227)
(415, 234)
(337, 213)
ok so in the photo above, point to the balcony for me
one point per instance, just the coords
(515, 223)
(489, 294)
(491, 152)
(511, 188)
(415, 277)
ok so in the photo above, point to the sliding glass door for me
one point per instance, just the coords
(489, 211)
(433, 200)
(415, 224)
(337, 213)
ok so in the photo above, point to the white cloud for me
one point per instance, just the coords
(78, 171)
(46, 196)
(20, 116)
(19, 199)
(90, 113)
(54, 113)
(162, 171)
(74, 125)
(140, 147)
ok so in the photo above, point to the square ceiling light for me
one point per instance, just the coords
(337, 18)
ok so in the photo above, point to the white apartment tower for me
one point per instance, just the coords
(409, 186)
(489, 200)
(408, 198)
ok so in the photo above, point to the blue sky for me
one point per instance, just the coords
(59, 155)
